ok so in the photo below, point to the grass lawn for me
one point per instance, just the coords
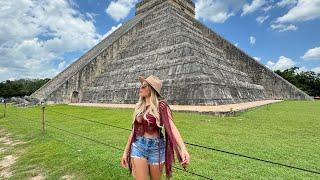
(287, 132)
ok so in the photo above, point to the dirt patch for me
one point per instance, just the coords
(6, 139)
(38, 177)
(5, 165)
(68, 177)
(2, 149)
(7, 161)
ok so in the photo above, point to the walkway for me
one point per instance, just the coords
(220, 109)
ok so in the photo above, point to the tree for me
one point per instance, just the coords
(307, 81)
(20, 87)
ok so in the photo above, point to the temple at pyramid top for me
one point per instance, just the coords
(197, 65)
(185, 5)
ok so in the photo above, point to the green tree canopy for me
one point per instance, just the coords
(20, 87)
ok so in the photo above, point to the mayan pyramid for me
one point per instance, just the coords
(198, 66)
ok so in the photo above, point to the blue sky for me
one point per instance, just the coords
(39, 39)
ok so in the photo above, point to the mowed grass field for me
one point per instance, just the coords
(287, 132)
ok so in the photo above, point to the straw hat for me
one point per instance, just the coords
(154, 82)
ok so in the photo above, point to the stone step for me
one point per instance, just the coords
(63, 76)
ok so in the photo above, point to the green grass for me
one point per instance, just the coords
(285, 132)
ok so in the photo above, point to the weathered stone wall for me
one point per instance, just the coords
(185, 5)
(197, 65)
(275, 86)
(85, 76)
(193, 69)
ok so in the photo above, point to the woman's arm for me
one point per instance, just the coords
(124, 159)
(128, 142)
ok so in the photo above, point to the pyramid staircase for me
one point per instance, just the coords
(197, 65)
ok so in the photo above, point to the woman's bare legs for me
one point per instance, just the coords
(155, 173)
(140, 169)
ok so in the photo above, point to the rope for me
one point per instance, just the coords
(105, 144)
(90, 120)
(205, 147)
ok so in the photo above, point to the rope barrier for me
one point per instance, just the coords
(85, 137)
(201, 146)
(89, 120)
(106, 144)
(258, 159)
(195, 145)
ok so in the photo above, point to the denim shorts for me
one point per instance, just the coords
(148, 148)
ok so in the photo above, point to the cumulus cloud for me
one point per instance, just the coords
(312, 54)
(257, 58)
(304, 10)
(267, 8)
(284, 27)
(34, 36)
(286, 3)
(113, 28)
(301, 69)
(250, 8)
(217, 11)
(316, 69)
(283, 63)
(261, 19)
(120, 9)
(252, 40)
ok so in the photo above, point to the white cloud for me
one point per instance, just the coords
(250, 8)
(305, 10)
(252, 40)
(287, 3)
(267, 8)
(301, 69)
(3, 70)
(120, 9)
(216, 10)
(34, 36)
(257, 58)
(282, 63)
(236, 44)
(316, 69)
(312, 54)
(284, 27)
(261, 19)
(111, 30)
(91, 16)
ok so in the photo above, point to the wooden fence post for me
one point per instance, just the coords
(5, 109)
(43, 118)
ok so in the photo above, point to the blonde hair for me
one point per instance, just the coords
(153, 108)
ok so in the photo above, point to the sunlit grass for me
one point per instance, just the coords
(285, 132)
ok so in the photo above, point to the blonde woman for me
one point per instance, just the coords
(147, 149)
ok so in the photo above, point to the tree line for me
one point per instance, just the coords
(307, 81)
(20, 87)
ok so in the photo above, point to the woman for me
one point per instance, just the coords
(147, 148)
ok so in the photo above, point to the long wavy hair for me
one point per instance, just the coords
(153, 109)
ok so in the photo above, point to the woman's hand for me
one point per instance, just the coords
(185, 158)
(124, 162)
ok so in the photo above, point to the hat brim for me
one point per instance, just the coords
(142, 79)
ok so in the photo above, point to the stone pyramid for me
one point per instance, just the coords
(198, 66)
